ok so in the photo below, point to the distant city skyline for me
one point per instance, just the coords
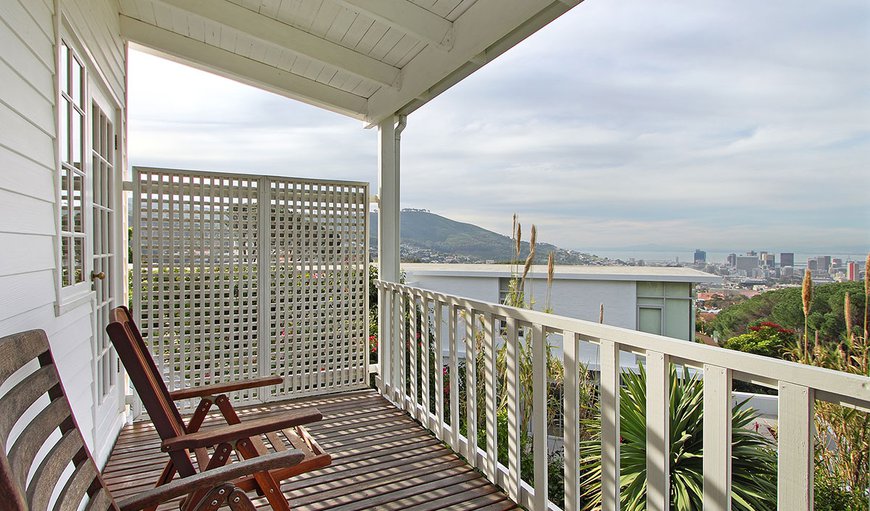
(622, 123)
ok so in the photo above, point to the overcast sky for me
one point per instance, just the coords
(723, 125)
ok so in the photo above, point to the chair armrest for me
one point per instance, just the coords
(210, 478)
(214, 436)
(223, 388)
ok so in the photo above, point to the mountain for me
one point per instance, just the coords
(427, 237)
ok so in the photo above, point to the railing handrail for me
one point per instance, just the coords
(835, 386)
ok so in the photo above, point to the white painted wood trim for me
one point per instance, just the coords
(610, 424)
(470, 387)
(491, 465)
(288, 37)
(168, 44)
(717, 438)
(513, 409)
(795, 462)
(572, 420)
(538, 342)
(841, 387)
(657, 432)
(409, 18)
(452, 339)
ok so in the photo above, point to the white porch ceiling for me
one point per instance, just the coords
(367, 59)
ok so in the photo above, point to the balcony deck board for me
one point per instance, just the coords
(382, 459)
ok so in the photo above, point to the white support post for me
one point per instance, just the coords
(539, 415)
(491, 401)
(388, 242)
(717, 438)
(609, 395)
(413, 350)
(471, 387)
(513, 409)
(570, 396)
(452, 335)
(400, 342)
(425, 369)
(657, 431)
(439, 369)
(795, 467)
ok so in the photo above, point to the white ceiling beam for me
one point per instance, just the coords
(236, 67)
(486, 30)
(272, 31)
(409, 18)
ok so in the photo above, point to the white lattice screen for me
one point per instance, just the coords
(216, 305)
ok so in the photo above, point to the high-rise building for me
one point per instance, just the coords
(700, 256)
(853, 271)
(732, 260)
(747, 262)
(786, 259)
(813, 263)
(824, 263)
(767, 260)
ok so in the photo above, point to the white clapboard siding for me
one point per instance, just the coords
(26, 177)
(28, 224)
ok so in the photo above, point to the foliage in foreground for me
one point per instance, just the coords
(753, 455)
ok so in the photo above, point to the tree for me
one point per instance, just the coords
(753, 457)
(765, 338)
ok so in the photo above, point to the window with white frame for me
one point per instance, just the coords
(73, 176)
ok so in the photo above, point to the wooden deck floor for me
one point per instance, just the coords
(381, 460)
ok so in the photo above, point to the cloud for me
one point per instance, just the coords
(624, 122)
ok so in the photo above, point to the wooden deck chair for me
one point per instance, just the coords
(67, 468)
(179, 438)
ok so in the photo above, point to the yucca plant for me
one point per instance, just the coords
(753, 457)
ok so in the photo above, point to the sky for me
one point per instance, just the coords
(726, 126)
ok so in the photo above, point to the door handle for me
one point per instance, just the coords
(98, 275)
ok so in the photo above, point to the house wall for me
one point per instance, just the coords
(28, 173)
(477, 288)
(580, 299)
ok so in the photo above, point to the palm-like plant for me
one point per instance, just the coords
(753, 457)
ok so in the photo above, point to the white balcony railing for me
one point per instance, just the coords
(443, 319)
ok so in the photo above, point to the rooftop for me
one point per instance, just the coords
(625, 273)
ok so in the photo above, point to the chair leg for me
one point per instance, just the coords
(266, 482)
(250, 448)
(219, 458)
(239, 501)
(225, 494)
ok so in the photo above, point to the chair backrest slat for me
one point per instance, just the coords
(51, 429)
(149, 384)
(49, 471)
(23, 395)
(37, 431)
(141, 368)
(82, 479)
(100, 502)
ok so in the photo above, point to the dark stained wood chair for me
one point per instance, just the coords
(180, 439)
(35, 391)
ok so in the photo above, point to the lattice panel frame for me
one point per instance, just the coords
(213, 302)
(319, 283)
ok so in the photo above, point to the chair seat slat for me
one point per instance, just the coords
(26, 446)
(47, 475)
(23, 395)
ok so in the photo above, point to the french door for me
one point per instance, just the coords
(106, 275)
